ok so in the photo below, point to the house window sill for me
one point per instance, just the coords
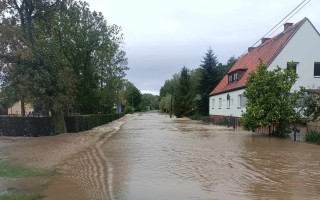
(239, 107)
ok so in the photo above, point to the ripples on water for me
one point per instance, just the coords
(155, 157)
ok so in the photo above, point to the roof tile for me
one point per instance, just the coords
(267, 52)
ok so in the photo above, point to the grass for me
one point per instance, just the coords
(11, 170)
(22, 197)
(313, 136)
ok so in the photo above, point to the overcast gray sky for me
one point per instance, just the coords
(162, 36)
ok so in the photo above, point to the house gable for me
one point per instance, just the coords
(267, 52)
(303, 49)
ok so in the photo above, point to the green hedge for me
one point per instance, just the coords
(78, 123)
(25, 126)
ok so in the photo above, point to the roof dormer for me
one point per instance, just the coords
(236, 75)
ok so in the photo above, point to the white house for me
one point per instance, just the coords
(298, 43)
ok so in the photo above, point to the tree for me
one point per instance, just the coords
(165, 104)
(149, 101)
(270, 100)
(59, 54)
(133, 95)
(182, 97)
(312, 104)
(209, 79)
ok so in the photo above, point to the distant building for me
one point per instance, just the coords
(298, 43)
(16, 109)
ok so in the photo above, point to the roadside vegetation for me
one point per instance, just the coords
(61, 57)
(22, 197)
(313, 136)
(11, 170)
(270, 101)
(189, 90)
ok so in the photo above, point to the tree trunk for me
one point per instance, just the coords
(59, 124)
(23, 108)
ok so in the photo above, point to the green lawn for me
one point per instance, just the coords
(22, 197)
(11, 170)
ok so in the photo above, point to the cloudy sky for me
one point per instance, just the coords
(162, 36)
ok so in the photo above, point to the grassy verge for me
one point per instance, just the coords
(313, 136)
(11, 170)
(22, 197)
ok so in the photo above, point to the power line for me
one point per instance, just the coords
(290, 17)
(276, 27)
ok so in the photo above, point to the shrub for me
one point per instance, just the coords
(25, 126)
(78, 123)
(128, 109)
(313, 136)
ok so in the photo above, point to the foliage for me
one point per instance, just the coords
(169, 86)
(26, 126)
(208, 80)
(165, 104)
(210, 75)
(313, 136)
(79, 123)
(312, 105)
(182, 95)
(149, 102)
(128, 109)
(270, 100)
(60, 55)
(133, 95)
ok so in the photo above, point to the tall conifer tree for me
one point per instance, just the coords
(182, 97)
(209, 79)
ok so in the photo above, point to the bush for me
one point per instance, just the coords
(313, 136)
(128, 109)
(25, 126)
(78, 123)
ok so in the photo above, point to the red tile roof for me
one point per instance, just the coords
(267, 52)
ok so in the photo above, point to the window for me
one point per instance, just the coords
(235, 76)
(316, 71)
(213, 103)
(220, 103)
(228, 101)
(230, 78)
(292, 66)
(242, 101)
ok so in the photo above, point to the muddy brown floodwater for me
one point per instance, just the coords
(155, 157)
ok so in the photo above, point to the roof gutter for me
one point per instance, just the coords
(231, 90)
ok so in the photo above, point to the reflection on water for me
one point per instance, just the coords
(155, 157)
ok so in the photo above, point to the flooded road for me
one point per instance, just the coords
(151, 156)
(155, 157)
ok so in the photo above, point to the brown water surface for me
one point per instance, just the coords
(155, 157)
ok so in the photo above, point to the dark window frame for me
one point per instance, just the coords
(316, 71)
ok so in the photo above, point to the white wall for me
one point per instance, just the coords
(234, 110)
(304, 47)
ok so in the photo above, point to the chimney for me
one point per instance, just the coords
(250, 49)
(263, 40)
(287, 25)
